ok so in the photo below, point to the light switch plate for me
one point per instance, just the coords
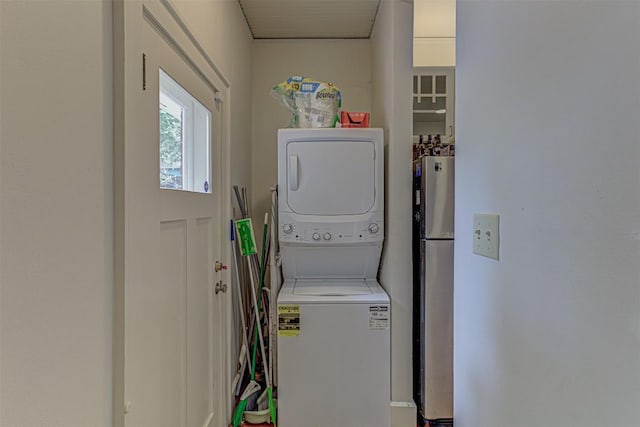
(486, 235)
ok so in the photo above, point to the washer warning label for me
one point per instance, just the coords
(288, 320)
(378, 317)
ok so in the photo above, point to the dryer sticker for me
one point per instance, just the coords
(288, 320)
(378, 317)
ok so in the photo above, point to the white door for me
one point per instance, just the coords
(168, 364)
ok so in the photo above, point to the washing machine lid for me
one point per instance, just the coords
(331, 288)
(324, 291)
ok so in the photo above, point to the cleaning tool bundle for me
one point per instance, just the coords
(243, 237)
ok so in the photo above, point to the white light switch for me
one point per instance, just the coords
(486, 235)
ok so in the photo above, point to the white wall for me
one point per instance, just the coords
(347, 63)
(56, 223)
(548, 106)
(434, 32)
(434, 52)
(56, 213)
(392, 69)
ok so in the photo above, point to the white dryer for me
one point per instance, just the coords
(333, 316)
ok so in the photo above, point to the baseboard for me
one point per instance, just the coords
(403, 414)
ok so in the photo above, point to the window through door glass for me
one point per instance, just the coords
(185, 139)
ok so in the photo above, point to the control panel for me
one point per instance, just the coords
(334, 233)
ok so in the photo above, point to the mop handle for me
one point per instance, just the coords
(239, 286)
(256, 305)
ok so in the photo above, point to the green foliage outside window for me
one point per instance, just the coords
(170, 150)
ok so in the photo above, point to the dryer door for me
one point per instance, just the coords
(331, 177)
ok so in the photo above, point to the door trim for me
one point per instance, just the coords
(162, 32)
(185, 29)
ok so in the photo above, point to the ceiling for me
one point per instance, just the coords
(310, 19)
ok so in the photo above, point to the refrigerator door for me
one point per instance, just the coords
(437, 197)
(437, 329)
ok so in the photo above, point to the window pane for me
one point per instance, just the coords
(171, 143)
(441, 84)
(426, 84)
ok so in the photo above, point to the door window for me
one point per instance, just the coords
(185, 139)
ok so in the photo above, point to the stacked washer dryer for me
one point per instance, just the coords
(333, 315)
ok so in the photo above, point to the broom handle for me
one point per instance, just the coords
(259, 329)
(256, 306)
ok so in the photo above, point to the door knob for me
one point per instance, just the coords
(220, 287)
(219, 266)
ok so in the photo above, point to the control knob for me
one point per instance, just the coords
(373, 228)
(287, 228)
(327, 236)
(315, 236)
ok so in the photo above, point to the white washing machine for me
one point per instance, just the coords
(334, 369)
(333, 316)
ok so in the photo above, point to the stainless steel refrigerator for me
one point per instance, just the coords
(433, 240)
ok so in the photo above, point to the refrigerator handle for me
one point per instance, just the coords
(293, 172)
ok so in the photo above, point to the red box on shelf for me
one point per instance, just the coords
(349, 119)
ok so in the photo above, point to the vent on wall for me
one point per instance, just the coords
(310, 19)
